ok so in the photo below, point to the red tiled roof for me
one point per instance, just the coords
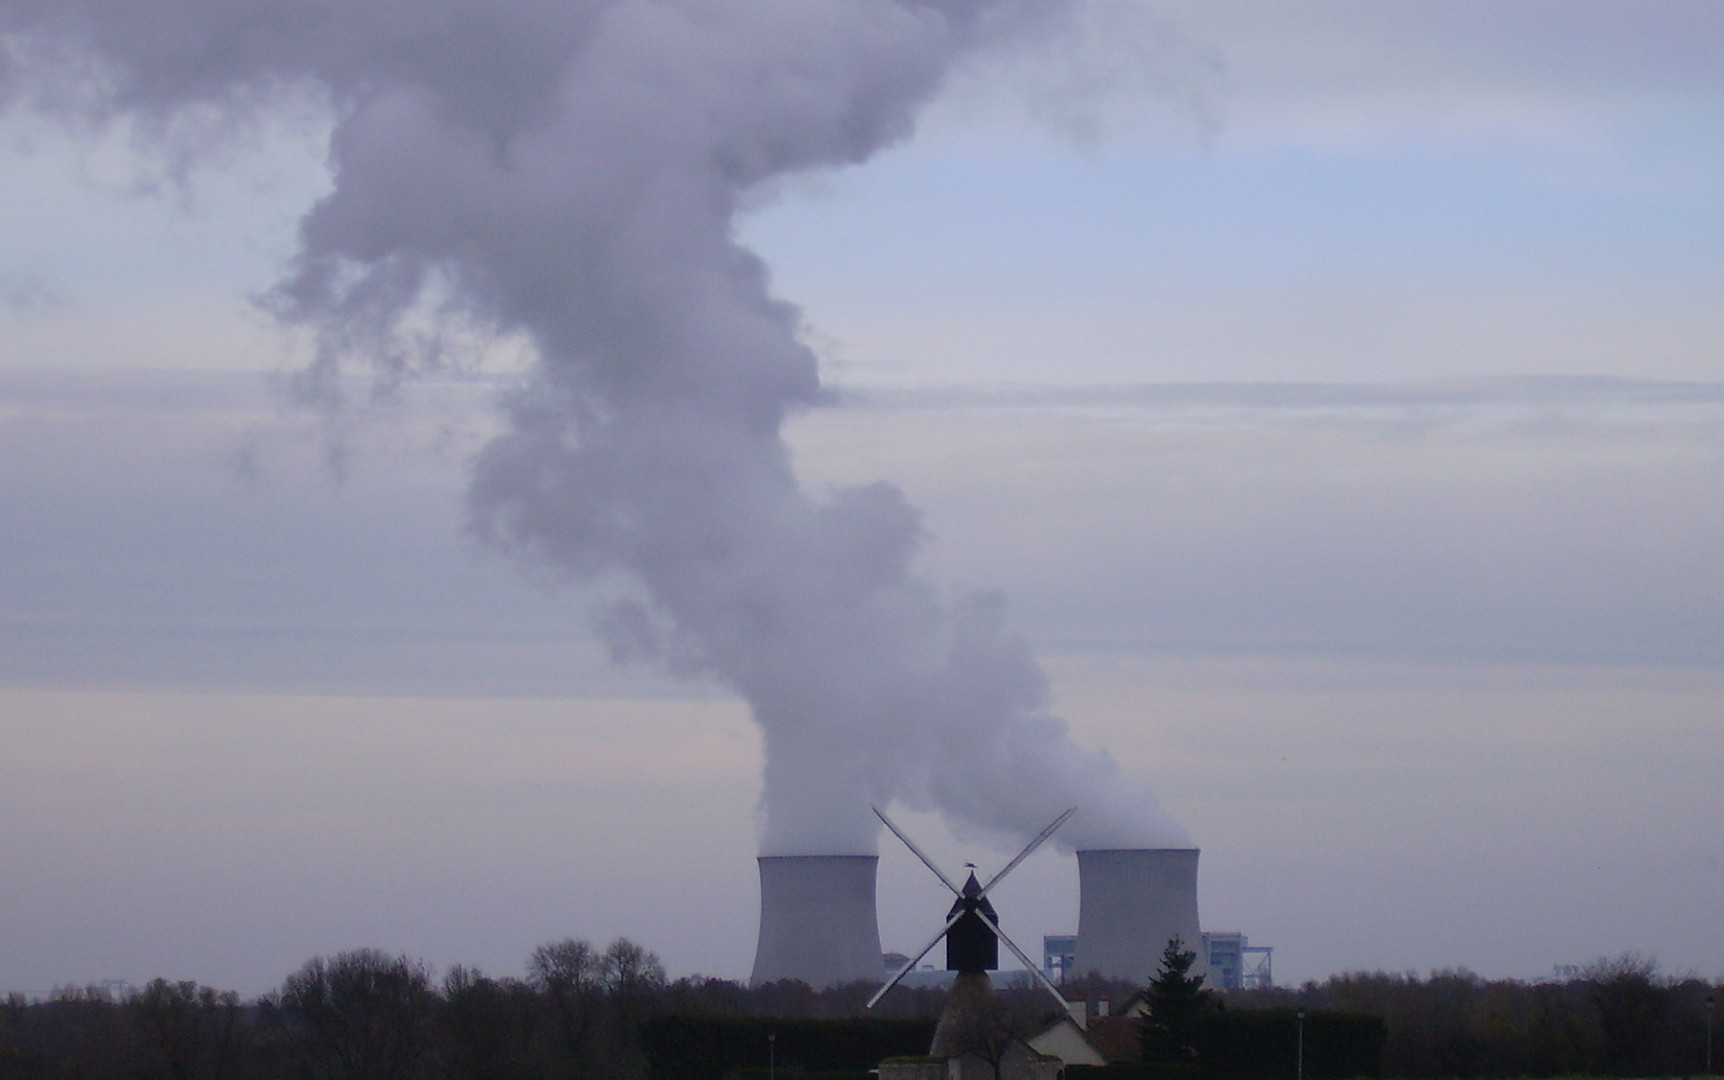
(1116, 1037)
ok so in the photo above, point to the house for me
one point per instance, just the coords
(1019, 1062)
(1064, 1038)
(1094, 1034)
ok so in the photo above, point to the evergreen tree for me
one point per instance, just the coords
(1176, 999)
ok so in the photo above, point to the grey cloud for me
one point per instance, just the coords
(1502, 520)
(133, 557)
(1550, 64)
(23, 294)
(1469, 397)
(1096, 69)
(1569, 521)
(1588, 44)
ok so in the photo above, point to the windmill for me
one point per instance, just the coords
(972, 931)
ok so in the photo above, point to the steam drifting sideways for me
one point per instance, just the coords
(570, 170)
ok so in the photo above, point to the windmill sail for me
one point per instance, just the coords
(972, 929)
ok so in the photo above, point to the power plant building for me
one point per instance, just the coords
(818, 921)
(1059, 953)
(1131, 902)
(1235, 963)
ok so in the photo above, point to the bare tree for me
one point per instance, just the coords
(599, 999)
(631, 975)
(189, 1030)
(633, 979)
(570, 973)
(1633, 1011)
(988, 1029)
(486, 1026)
(360, 1015)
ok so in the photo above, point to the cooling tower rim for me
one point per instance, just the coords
(814, 858)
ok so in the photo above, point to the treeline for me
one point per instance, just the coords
(1618, 1017)
(585, 1013)
(581, 1013)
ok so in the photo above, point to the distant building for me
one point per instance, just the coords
(1059, 952)
(817, 920)
(1089, 1035)
(1067, 1039)
(1233, 963)
(1236, 964)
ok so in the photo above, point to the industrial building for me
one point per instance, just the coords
(1131, 903)
(1059, 953)
(817, 920)
(1235, 963)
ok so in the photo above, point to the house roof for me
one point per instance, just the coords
(1066, 1040)
(1116, 1037)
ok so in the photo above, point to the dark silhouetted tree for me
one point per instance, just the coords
(360, 1015)
(988, 1028)
(1176, 1000)
(187, 1031)
(599, 1000)
(633, 981)
(570, 975)
(486, 1027)
(1633, 1012)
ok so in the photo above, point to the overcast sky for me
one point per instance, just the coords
(1334, 391)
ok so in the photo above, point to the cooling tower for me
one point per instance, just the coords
(817, 920)
(1130, 902)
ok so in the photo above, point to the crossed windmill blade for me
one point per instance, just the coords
(972, 927)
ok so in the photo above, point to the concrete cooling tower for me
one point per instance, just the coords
(817, 920)
(1130, 902)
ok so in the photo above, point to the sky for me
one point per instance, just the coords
(1333, 393)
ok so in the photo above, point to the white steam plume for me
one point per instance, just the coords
(571, 170)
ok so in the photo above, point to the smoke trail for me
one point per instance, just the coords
(572, 171)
